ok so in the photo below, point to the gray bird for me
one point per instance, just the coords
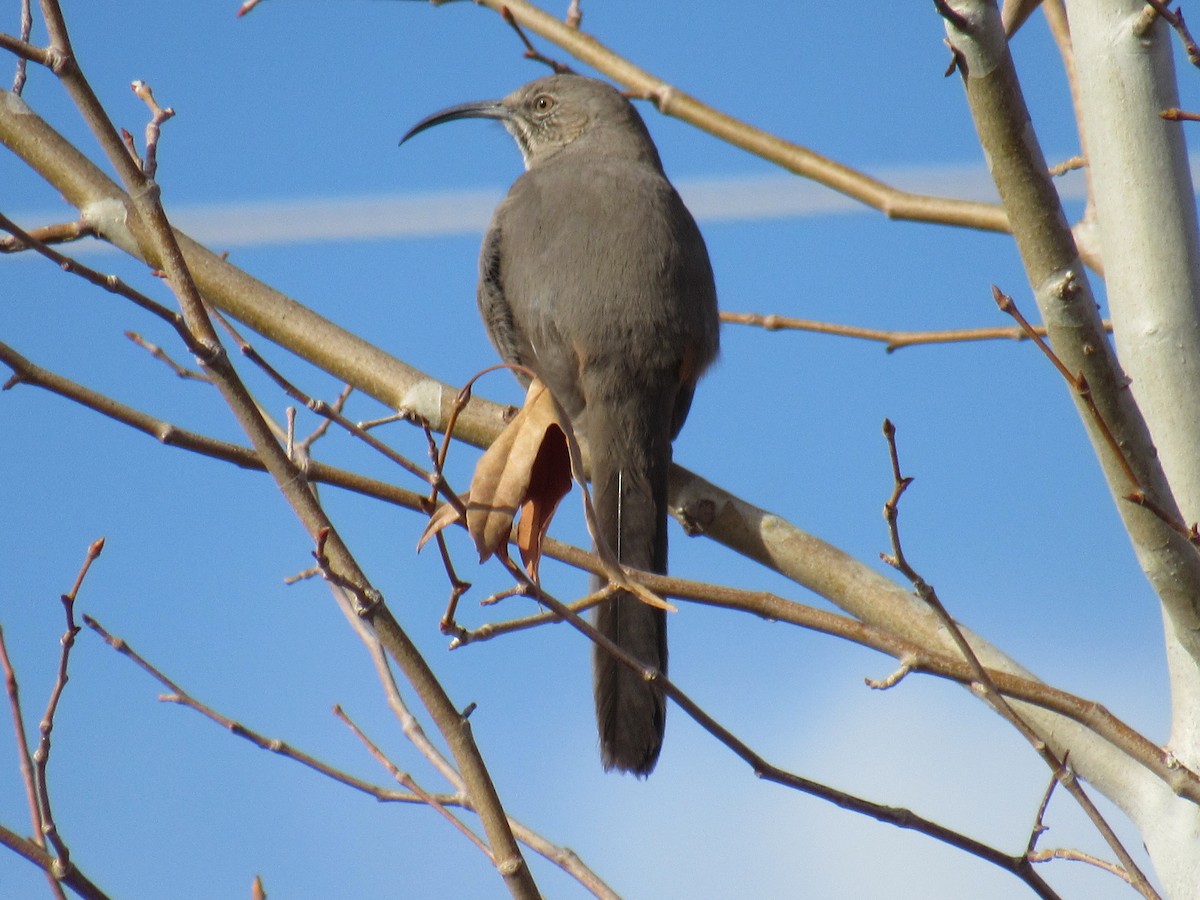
(594, 276)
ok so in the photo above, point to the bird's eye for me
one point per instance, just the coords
(543, 103)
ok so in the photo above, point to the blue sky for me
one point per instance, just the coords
(284, 151)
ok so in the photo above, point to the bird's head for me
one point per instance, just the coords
(551, 114)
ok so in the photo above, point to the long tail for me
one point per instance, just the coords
(630, 458)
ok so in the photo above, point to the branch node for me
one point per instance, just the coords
(883, 684)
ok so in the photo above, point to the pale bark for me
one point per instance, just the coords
(1146, 213)
(1147, 219)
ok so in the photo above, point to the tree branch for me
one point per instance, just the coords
(158, 239)
(892, 340)
(765, 605)
(892, 202)
(1069, 311)
(983, 685)
(1142, 179)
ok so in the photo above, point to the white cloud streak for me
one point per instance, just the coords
(439, 214)
(467, 212)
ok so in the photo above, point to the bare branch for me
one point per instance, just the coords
(247, 6)
(1080, 856)
(25, 372)
(41, 756)
(158, 115)
(165, 248)
(162, 356)
(72, 878)
(1069, 165)
(59, 868)
(574, 15)
(26, 760)
(898, 816)
(24, 50)
(179, 696)
(892, 340)
(1077, 381)
(26, 30)
(1087, 713)
(110, 283)
(894, 203)
(1174, 18)
(531, 52)
(985, 687)
(410, 783)
(414, 795)
(60, 233)
(1039, 828)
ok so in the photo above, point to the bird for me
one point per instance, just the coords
(594, 276)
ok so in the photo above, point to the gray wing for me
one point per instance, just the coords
(494, 307)
(516, 298)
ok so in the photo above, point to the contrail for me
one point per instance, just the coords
(445, 213)
(438, 214)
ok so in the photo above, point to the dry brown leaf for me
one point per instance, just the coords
(549, 482)
(529, 469)
(525, 469)
(443, 516)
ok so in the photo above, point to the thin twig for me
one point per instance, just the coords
(158, 115)
(163, 245)
(246, 7)
(564, 858)
(1078, 382)
(898, 816)
(58, 233)
(983, 685)
(26, 31)
(437, 456)
(574, 17)
(368, 599)
(800, 160)
(951, 15)
(1087, 713)
(883, 684)
(1070, 164)
(25, 372)
(490, 630)
(110, 283)
(1175, 114)
(333, 413)
(338, 405)
(41, 756)
(26, 761)
(23, 49)
(162, 356)
(71, 876)
(59, 869)
(531, 52)
(405, 779)
(1039, 827)
(180, 697)
(1174, 18)
(458, 587)
(892, 340)
(1080, 856)
(1138, 495)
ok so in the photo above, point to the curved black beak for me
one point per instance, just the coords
(481, 109)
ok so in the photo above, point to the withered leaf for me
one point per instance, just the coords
(527, 468)
(443, 516)
(549, 482)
